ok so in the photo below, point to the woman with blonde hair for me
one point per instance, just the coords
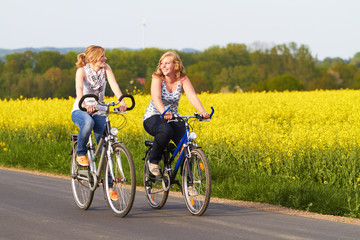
(167, 82)
(91, 78)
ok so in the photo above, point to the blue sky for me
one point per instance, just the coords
(330, 28)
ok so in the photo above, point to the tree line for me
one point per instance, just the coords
(236, 67)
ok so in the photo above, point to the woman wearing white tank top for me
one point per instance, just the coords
(91, 78)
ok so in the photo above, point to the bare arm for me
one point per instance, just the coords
(79, 83)
(156, 97)
(192, 96)
(156, 94)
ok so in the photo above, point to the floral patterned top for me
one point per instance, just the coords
(168, 99)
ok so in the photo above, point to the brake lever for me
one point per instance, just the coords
(117, 110)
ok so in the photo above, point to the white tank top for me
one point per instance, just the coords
(88, 90)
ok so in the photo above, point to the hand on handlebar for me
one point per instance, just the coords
(205, 115)
(122, 108)
(168, 116)
(91, 109)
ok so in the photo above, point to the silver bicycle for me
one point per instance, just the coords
(110, 165)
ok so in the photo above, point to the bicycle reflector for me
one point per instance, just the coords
(192, 135)
(114, 131)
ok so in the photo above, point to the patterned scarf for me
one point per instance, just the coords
(96, 79)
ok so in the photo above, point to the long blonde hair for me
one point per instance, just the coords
(179, 68)
(92, 54)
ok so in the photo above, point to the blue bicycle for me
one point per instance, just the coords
(195, 171)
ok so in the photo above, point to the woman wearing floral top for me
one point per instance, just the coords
(91, 78)
(167, 82)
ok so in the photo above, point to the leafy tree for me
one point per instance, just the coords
(207, 71)
(286, 66)
(232, 55)
(357, 80)
(126, 80)
(200, 83)
(238, 77)
(68, 61)
(356, 60)
(327, 81)
(2, 66)
(17, 62)
(25, 86)
(46, 60)
(346, 73)
(283, 83)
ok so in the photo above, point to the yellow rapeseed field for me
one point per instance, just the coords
(282, 121)
(274, 130)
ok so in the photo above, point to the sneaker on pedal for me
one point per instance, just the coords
(114, 195)
(192, 191)
(82, 161)
(154, 169)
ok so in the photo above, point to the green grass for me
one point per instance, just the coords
(320, 181)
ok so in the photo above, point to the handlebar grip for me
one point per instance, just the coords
(162, 115)
(212, 112)
(132, 101)
(84, 97)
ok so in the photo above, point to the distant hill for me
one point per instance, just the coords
(4, 52)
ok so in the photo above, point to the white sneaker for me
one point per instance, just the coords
(192, 191)
(154, 169)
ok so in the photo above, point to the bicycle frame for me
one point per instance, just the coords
(103, 145)
(182, 147)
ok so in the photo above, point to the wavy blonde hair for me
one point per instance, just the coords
(92, 54)
(179, 68)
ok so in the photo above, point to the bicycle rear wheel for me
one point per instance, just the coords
(82, 194)
(124, 182)
(154, 192)
(196, 173)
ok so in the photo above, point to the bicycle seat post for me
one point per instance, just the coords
(91, 153)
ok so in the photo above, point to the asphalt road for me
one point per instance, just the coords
(41, 207)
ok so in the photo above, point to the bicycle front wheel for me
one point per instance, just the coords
(196, 182)
(124, 181)
(154, 192)
(82, 194)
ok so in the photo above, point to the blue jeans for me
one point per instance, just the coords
(87, 122)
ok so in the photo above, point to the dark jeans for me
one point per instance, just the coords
(163, 132)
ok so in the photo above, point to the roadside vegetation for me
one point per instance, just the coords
(296, 149)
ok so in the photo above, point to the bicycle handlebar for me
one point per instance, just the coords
(196, 115)
(107, 104)
(166, 109)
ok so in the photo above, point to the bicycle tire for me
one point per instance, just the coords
(82, 193)
(154, 192)
(124, 184)
(196, 172)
